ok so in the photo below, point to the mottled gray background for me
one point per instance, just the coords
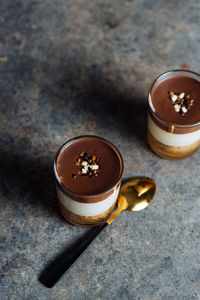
(75, 67)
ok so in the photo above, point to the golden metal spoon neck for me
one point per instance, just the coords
(122, 205)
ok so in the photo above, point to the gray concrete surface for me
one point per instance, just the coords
(75, 67)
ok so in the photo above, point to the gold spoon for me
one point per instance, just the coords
(135, 194)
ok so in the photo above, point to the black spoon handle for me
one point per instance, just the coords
(58, 271)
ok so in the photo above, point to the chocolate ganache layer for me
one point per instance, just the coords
(172, 110)
(89, 165)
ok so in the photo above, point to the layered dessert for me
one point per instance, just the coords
(88, 171)
(174, 114)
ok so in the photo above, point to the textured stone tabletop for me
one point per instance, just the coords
(84, 67)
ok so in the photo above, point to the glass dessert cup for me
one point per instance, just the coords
(167, 138)
(80, 204)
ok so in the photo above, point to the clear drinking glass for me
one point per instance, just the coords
(87, 210)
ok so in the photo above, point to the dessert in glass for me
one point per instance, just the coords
(88, 171)
(174, 114)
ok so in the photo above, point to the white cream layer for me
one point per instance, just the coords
(172, 139)
(87, 209)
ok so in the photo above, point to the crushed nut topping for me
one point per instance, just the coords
(181, 101)
(87, 165)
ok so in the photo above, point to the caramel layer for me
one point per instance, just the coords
(170, 152)
(84, 221)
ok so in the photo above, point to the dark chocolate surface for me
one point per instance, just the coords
(163, 104)
(108, 160)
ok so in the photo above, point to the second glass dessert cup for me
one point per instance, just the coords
(166, 138)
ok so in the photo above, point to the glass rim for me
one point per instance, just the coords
(62, 147)
(151, 104)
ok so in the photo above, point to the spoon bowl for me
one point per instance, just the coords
(135, 194)
(138, 192)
